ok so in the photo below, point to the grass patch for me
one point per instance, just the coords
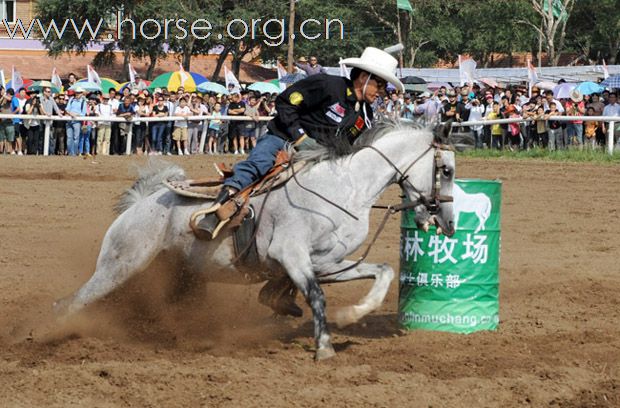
(571, 155)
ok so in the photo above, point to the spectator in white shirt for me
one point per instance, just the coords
(179, 135)
(104, 129)
(612, 109)
(548, 99)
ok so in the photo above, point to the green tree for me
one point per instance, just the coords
(550, 22)
(345, 35)
(492, 28)
(594, 30)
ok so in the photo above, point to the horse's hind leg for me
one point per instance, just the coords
(381, 273)
(125, 251)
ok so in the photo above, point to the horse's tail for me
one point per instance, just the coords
(150, 178)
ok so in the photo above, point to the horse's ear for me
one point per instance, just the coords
(442, 132)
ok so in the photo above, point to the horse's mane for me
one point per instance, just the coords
(150, 178)
(370, 136)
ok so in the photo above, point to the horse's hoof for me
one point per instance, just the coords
(345, 316)
(324, 353)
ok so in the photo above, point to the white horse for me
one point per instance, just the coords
(478, 204)
(298, 234)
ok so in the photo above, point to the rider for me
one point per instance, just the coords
(325, 109)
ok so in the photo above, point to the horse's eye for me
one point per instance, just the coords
(447, 172)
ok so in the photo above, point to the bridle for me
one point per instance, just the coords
(432, 202)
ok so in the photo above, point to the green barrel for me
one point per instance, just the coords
(452, 283)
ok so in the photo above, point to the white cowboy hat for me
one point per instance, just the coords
(576, 95)
(378, 63)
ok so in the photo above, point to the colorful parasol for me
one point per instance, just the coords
(106, 84)
(27, 83)
(172, 81)
(39, 85)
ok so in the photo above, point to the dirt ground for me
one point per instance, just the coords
(558, 343)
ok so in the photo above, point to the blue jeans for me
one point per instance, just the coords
(167, 137)
(158, 130)
(84, 141)
(74, 129)
(576, 130)
(258, 163)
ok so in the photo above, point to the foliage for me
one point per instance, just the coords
(438, 29)
(594, 29)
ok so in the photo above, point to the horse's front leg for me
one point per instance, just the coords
(296, 261)
(381, 273)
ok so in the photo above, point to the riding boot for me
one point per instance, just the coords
(280, 295)
(212, 222)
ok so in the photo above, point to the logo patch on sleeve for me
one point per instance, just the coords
(295, 98)
(337, 109)
(359, 123)
(333, 116)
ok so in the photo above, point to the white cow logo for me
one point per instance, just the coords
(479, 204)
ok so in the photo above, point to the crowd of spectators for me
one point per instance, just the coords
(182, 137)
(88, 137)
(462, 104)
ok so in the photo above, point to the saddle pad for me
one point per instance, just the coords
(206, 190)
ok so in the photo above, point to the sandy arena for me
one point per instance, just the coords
(558, 344)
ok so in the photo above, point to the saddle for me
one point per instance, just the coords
(236, 211)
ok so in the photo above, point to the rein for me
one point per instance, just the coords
(433, 206)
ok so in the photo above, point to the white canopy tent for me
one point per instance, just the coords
(507, 75)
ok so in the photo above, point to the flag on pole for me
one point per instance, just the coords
(343, 70)
(93, 76)
(404, 5)
(532, 76)
(467, 70)
(132, 74)
(2, 78)
(56, 78)
(557, 7)
(605, 70)
(231, 81)
(16, 79)
(184, 75)
(281, 73)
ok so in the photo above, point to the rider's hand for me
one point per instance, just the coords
(305, 143)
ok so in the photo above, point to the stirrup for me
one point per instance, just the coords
(212, 223)
(210, 226)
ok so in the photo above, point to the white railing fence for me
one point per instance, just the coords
(47, 122)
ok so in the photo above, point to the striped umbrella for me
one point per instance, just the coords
(106, 84)
(39, 85)
(172, 81)
(27, 83)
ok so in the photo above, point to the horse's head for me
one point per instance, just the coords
(424, 169)
(428, 183)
